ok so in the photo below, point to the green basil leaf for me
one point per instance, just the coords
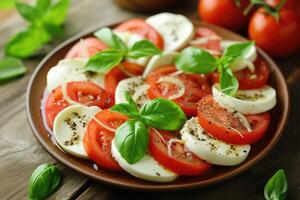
(112, 40)
(28, 12)
(126, 109)
(142, 48)
(104, 61)
(54, 31)
(7, 4)
(132, 140)
(44, 181)
(57, 13)
(238, 51)
(276, 187)
(10, 68)
(162, 114)
(229, 84)
(26, 43)
(43, 5)
(195, 60)
(130, 100)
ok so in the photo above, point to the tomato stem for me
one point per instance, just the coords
(248, 9)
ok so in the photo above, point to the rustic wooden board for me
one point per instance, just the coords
(20, 153)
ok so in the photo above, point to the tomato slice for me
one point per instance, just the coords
(115, 75)
(248, 80)
(97, 140)
(86, 48)
(140, 27)
(196, 87)
(205, 32)
(214, 43)
(223, 125)
(181, 161)
(83, 92)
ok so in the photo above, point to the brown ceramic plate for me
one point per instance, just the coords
(37, 85)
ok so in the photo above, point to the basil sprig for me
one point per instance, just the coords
(11, 68)
(46, 21)
(276, 187)
(199, 61)
(132, 137)
(45, 180)
(118, 51)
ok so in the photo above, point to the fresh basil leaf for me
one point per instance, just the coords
(195, 60)
(28, 12)
(26, 43)
(112, 40)
(7, 4)
(276, 187)
(10, 68)
(43, 5)
(104, 61)
(126, 109)
(44, 181)
(54, 31)
(142, 48)
(130, 100)
(132, 140)
(229, 84)
(162, 114)
(238, 51)
(57, 13)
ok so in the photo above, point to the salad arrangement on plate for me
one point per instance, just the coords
(159, 98)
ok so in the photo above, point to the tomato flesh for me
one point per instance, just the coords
(140, 27)
(196, 87)
(223, 125)
(213, 43)
(181, 161)
(97, 140)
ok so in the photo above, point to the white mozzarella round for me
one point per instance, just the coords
(247, 101)
(129, 39)
(136, 87)
(69, 128)
(71, 70)
(166, 58)
(147, 168)
(210, 149)
(176, 30)
(251, 56)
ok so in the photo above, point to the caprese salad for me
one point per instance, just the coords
(159, 98)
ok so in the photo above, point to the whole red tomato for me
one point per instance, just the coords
(278, 38)
(289, 4)
(225, 13)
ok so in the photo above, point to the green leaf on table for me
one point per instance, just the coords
(162, 114)
(45, 180)
(7, 4)
(143, 48)
(43, 5)
(196, 60)
(57, 13)
(238, 50)
(228, 83)
(10, 68)
(112, 40)
(28, 12)
(132, 140)
(276, 187)
(26, 43)
(104, 61)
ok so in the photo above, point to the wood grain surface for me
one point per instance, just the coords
(20, 153)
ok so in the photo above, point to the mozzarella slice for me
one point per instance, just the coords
(147, 168)
(176, 30)
(71, 70)
(69, 128)
(129, 39)
(166, 58)
(210, 149)
(136, 87)
(247, 101)
(251, 56)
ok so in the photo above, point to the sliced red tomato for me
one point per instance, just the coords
(115, 75)
(180, 160)
(223, 125)
(212, 43)
(248, 80)
(140, 27)
(97, 140)
(83, 92)
(86, 48)
(205, 32)
(196, 87)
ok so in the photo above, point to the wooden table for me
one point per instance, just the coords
(20, 153)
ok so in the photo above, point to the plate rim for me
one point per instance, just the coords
(159, 187)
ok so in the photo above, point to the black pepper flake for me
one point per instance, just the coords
(158, 174)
